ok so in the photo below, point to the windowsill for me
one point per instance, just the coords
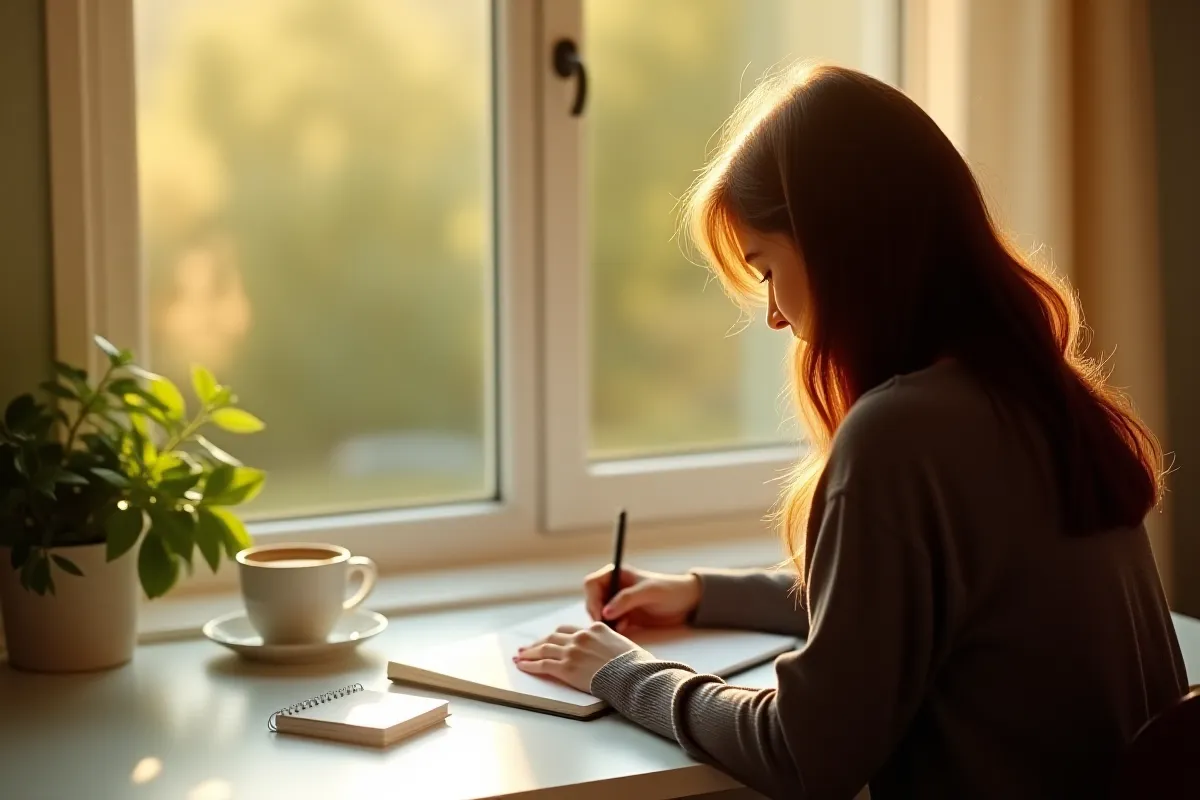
(181, 617)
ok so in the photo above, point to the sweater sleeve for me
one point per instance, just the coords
(750, 600)
(843, 701)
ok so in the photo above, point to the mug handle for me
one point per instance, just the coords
(366, 567)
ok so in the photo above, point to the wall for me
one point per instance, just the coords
(26, 313)
(1174, 28)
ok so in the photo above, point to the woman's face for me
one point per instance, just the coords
(777, 260)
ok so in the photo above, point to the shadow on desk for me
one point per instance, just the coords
(232, 666)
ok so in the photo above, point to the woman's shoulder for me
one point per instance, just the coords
(910, 418)
(917, 403)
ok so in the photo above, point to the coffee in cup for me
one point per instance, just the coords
(296, 592)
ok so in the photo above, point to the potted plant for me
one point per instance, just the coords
(111, 486)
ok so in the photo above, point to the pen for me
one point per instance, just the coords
(614, 580)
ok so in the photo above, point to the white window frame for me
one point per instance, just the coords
(545, 481)
(582, 492)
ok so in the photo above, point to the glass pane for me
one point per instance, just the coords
(316, 180)
(667, 375)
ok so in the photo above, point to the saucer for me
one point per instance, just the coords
(234, 631)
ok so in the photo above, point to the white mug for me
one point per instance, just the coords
(296, 592)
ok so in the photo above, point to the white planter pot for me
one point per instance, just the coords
(89, 623)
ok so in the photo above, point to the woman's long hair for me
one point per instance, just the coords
(905, 266)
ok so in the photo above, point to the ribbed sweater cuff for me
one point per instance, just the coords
(650, 692)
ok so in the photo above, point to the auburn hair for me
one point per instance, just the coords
(906, 266)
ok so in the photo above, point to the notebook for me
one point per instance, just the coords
(482, 667)
(360, 716)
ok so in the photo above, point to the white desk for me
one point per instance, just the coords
(201, 714)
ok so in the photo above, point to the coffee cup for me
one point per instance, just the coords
(296, 592)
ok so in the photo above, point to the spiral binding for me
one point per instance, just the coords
(311, 702)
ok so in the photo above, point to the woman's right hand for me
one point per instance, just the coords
(644, 599)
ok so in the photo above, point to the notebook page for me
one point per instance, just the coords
(487, 660)
(371, 709)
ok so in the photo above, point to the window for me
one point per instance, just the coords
(462, 311)
(315, 185)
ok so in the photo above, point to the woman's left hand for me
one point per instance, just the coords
(573, 655)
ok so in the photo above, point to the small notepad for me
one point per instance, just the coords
(360, 716)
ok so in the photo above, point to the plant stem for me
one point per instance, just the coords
(187, 431)
(86, 409)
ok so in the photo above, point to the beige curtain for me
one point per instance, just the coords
(1052, 103)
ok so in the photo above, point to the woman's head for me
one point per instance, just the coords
(838, 202)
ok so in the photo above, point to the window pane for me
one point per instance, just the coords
(316, 180)
(666, 373)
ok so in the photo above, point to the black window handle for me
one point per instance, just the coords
(567, 63)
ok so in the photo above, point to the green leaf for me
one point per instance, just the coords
(122, 529)
(116, 356)
(110, 477)
(204, 383)
(40, 579)
(217, 453)
(211, 534)
(139, 432)
(66, 565)
(171, 398)
(236, 537)
(20, 554)
(244, 485)
(122, 386)
(21, 413)
(177, 530)
(139, 398)
(224, 396)
(73, 374)
(157, 568)
(237, 420)
(70, 478)
(178, 484)
(100, 444)
(169, 462)
(58, 390)
(218, 480)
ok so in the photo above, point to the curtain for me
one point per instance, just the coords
(1051, 101)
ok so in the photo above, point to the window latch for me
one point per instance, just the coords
(568, 63)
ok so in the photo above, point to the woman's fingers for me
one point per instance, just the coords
(553, 669)
(540, 652)
(595, 588)
(629, 599)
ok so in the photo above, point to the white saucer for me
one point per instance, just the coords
(235, 632)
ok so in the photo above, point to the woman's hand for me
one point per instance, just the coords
(644, 600)
(572, 655)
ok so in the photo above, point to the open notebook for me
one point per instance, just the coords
(360, 716)
(482, 667)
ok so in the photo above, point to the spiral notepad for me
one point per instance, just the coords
(359, 716)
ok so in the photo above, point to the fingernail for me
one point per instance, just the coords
(606, 611)
(520, 649)
(515, 659)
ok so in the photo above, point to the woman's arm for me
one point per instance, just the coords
(843, 702)
(761, 600)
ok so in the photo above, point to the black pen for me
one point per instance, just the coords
(614, 580)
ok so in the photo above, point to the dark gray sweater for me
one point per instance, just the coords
(958, 644)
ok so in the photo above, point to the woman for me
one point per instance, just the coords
(982, 611)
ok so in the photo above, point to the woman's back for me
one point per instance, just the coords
(1047, 651)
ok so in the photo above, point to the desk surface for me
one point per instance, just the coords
(188, 720)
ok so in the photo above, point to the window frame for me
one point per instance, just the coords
(583, 492)
(545, 483)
